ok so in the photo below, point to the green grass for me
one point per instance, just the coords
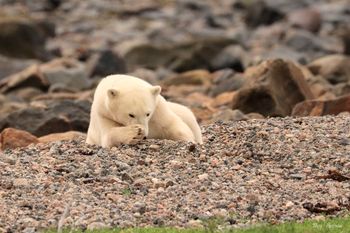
(335, 225)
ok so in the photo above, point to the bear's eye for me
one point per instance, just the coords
(131, 115)
(147, 114)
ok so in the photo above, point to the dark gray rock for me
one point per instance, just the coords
(57, 117)
(104, 63)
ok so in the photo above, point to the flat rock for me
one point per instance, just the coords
(321, 108)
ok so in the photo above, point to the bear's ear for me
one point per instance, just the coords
(112, 93)
(155, 90)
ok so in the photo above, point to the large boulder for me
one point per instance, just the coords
(55, 117)
(197, 54)
(321, 107)
(24, 38)
(272, 89)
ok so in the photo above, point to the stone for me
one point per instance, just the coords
(179, 57)
(96, 226)
(70, 135)
(104, 63)
(7, 106)
(10, 66)
(259, 13)
(230, 57)
(272, 89)
(306, 18)
(25, 94)
(30, 77)
(55, 117)
(226, 81)
(321, 108)
(228, 115)
(203, 176)
(224, 99)
(21, 183)
(67, 72)
(22, 38)
(334, 68)
(194, 77)
(11, 138)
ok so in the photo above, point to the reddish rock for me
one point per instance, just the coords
(11, 138)
(320, 107)
(272, 89)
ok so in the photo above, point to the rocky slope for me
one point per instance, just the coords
(249, 171)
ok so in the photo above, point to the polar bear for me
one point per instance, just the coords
(127, 109)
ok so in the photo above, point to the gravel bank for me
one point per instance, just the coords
(258, 170)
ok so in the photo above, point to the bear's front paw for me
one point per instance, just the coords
(134, 134)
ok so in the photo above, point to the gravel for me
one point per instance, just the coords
(273, 170)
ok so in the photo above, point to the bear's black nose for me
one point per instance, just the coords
(144, 137)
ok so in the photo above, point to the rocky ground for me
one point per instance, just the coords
(248, 171)
(269, 82)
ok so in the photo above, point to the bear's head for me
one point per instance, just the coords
(133, 106)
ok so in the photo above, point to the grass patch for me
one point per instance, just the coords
(334, 225)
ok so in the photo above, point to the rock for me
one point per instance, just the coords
(56, 117)
(10, 66)
(229, 115)
(7, 106)
(178, 57)
(308, 43)
(104, 63)
(335, 68)
(70, 135)
(145, 74)
(259, 13)
(30, 77)
(224, 99)
(96, 226)
(226, 81)
(263, 92)
(286, 53)
(11, 138)
(22, 38)
(194, 77)
(230, 57)
(68, 73)
(254, 115)
(21, 183)
(203, 176)
(321, 108)
(25, 94)
(306, 18)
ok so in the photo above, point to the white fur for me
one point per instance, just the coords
(127, 109)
